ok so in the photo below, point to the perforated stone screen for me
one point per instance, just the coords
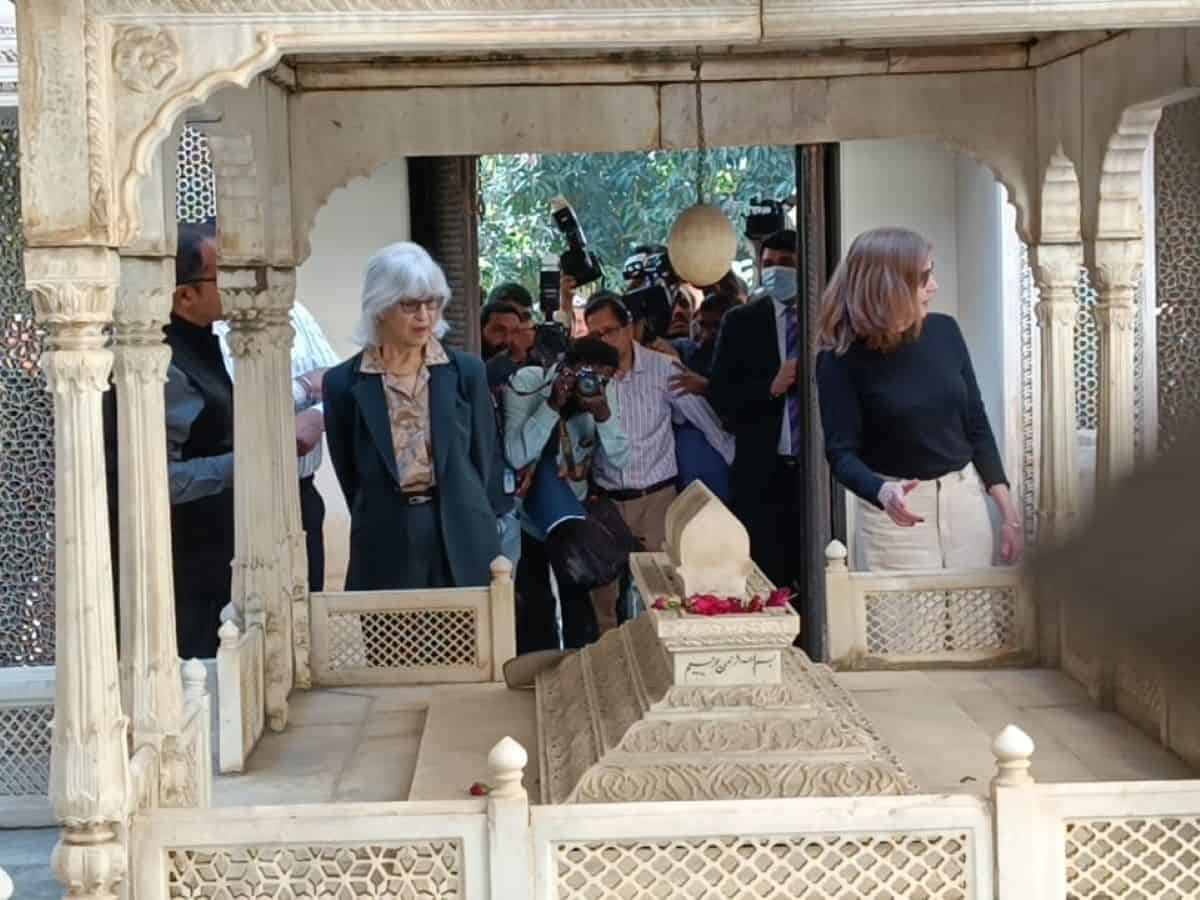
(1134, 859)
(196, 190)
(837, 867)
(403, 639)
(1177, 244)
(25, 750)
(920, 623)
(26, 445)
(401, 871)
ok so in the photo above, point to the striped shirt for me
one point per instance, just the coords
(648, 408)
(310, 350)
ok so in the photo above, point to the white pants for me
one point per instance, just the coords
(957, 532)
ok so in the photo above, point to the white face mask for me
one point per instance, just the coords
(779, 282)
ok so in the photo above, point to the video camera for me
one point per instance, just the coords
(765, 218)
(654, 266)
(652, 302)
(578, 261)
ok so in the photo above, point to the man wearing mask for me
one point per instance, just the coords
(753, 388)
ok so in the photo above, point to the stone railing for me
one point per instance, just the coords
(241, 698)
(1115, 839)
(1027, 842)
(911, 619)
(408, 637)
(26, 711)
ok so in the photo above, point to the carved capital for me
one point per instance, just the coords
(1056, 268)
(145, 59)
(1118, 270)
(74, 292)
(77, 371)
(143, 359)
(1057, 313)
(1116, 316)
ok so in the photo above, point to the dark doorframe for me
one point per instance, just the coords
(443, 204)
(818, 229)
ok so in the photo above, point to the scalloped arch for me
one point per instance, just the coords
(156, 131)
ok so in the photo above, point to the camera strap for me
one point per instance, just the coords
(572, 471)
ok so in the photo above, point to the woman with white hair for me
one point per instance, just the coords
(410, 430)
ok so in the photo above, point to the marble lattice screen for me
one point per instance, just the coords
(26, 412)
(1177, 190)
(26, 444)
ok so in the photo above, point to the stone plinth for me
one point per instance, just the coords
(675, 706)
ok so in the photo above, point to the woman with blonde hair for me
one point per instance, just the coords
(905, 427)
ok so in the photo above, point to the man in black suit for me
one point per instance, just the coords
(752, 387)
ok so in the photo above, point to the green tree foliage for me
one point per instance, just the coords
(621, 199)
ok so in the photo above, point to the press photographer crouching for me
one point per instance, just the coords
(558, 415)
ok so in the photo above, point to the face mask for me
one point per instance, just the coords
(779, 282)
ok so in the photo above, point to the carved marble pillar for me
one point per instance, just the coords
(149, 665)
(73, 295)
(282, 284)
(1056, 269)
(1117, 272)
(262, 572)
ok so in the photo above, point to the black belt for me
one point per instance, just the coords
(623, 496)
(788, 462)
(417, 498)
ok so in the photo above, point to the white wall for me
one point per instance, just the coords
(910, 184)
(358, 219)
(957, 204)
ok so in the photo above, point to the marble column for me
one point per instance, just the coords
(262, 570)
(73, 295)
(1117, 272)
(150, 681)
(1056, 269)
(282, 284)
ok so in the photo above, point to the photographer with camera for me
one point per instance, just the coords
(643, 486)
(558, 415)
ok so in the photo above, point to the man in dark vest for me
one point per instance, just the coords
(199, 408)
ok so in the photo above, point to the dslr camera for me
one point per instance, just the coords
(578, 261)
(589, 382)
(765, 217)
(550, 342)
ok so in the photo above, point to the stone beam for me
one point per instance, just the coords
(987, 115)
(816, 19)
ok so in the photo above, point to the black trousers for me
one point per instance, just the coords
(312, 519)
(536, 628)
(776, 525)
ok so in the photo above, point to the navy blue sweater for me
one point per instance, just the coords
(913, 413)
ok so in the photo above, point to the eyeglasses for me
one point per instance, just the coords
(603, 333)
(201, 281)
(412, 307)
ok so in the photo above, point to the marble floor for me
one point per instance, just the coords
(425, 743)
(351, 744)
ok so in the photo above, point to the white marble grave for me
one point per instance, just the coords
(678, 706)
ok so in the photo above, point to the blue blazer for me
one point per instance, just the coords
(463, 434)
